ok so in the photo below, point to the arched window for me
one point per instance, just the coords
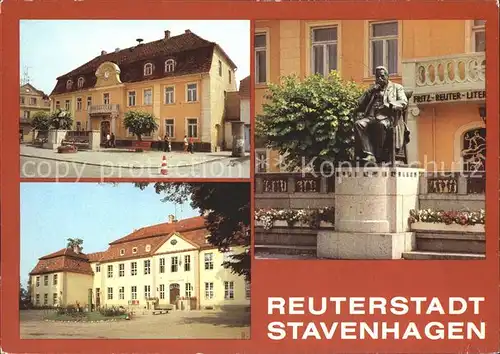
(69, 84)
(169, 65)
(81, 80)
(474, 149)
(148, 69)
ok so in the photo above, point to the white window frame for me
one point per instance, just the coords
(187, 263)
(169, 65)
(121, 293)
(81, 81)
(197, 127)
(79, 103)
(209, 290)
(188, 290)
(162, 265)
(147, 291)
(188, 90)
(133, 292)
(33, 101)
(148, 69)
(174, 264)
(144, 103)
(229, 290)
(230, 76)
(131, 95)
(110, 271)
(324, 44)
(69, 84)
(371, 39)
(133, 269)
(162, 291)
(104, 95)
(262, 32)
(208, 260)
(165, 95)
(220, 68)
(172, 125)
(37, 281)
(45, 299)
(97, 268)
(45, 280)
(89, 102)
(54, 279)
(474, 30)
(109, 293)
(54, 299)
(121, 269)
(147, 266)
(58, 105)
(67, 105)
(37, 299)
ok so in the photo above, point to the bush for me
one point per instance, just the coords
(112, 311)
(67, 148)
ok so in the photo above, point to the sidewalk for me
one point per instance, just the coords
(126, 159)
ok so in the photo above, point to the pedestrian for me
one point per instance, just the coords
(191, 145)
(113, 140)
(108, 140)
(186, 144)
(166, 140)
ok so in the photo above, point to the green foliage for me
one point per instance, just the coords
(140, 123)
(310, 118)
(112, 311)
(24, 296)
(61, 120)
(40, 121)
(227, 209)
(72, 242)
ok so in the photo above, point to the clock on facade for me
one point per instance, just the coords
(173, 242)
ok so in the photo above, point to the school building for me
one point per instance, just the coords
(181, 79)
(441, 61)
(170, 264)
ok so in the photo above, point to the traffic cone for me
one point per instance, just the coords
(163, 169)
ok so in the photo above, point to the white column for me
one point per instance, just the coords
(412, 147)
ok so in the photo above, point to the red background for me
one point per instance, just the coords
(269, 278)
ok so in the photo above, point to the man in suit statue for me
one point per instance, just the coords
(379, 105)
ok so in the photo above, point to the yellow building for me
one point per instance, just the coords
(182, 80)
(31, 101)
(171, 263)
(441, 61)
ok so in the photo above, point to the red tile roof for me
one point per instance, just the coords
(245, 88)
(192, 55)
(64, 260)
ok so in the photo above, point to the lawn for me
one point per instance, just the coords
(84, 317)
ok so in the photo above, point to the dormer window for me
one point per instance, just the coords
(169, 65)
(134, 250)
(148, 69)
(69, 84)
(122, 252)
(81, 80)
(148, 248)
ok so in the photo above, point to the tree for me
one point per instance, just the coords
(61, 120)
(226, 207)
(140, 123)
(74, 242)
(311, 119)
(40, 121)
(24, 296)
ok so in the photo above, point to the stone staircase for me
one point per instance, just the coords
(439, 245)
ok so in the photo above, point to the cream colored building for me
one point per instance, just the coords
(171, 263)
(31, 100)
(181, 79)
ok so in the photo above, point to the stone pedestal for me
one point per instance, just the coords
(372, 206)
(238, 132)
(54, 139)
(94, 140)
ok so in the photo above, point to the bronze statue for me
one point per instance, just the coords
(380, 126)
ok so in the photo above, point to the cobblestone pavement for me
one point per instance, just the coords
(233, 324)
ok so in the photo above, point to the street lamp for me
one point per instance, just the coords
(482, 113)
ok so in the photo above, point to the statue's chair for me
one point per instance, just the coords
(395, 146)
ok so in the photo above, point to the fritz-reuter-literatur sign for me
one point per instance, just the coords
(449, 97)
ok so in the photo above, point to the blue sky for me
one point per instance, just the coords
(97, 213)
(51, 48)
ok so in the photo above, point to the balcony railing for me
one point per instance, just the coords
(446, 74)
(104, 109)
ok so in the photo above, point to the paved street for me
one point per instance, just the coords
(43, 163)
(233, 324)
(43, 168)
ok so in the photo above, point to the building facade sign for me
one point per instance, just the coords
(449, 97)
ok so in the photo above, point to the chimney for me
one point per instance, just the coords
(76, 249)
(117, 50)
(103, 52)
(171, 219)
(167, 34)
(187, 31)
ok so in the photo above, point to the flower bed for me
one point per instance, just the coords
(313, 218)
(67, 149)
(440, 220)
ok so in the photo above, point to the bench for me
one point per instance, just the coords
(160, 311)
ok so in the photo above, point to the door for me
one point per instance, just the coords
(247, 138)
(175, 292)
(97, 297)
(105, 130)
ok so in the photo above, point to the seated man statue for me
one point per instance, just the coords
(379, 106)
